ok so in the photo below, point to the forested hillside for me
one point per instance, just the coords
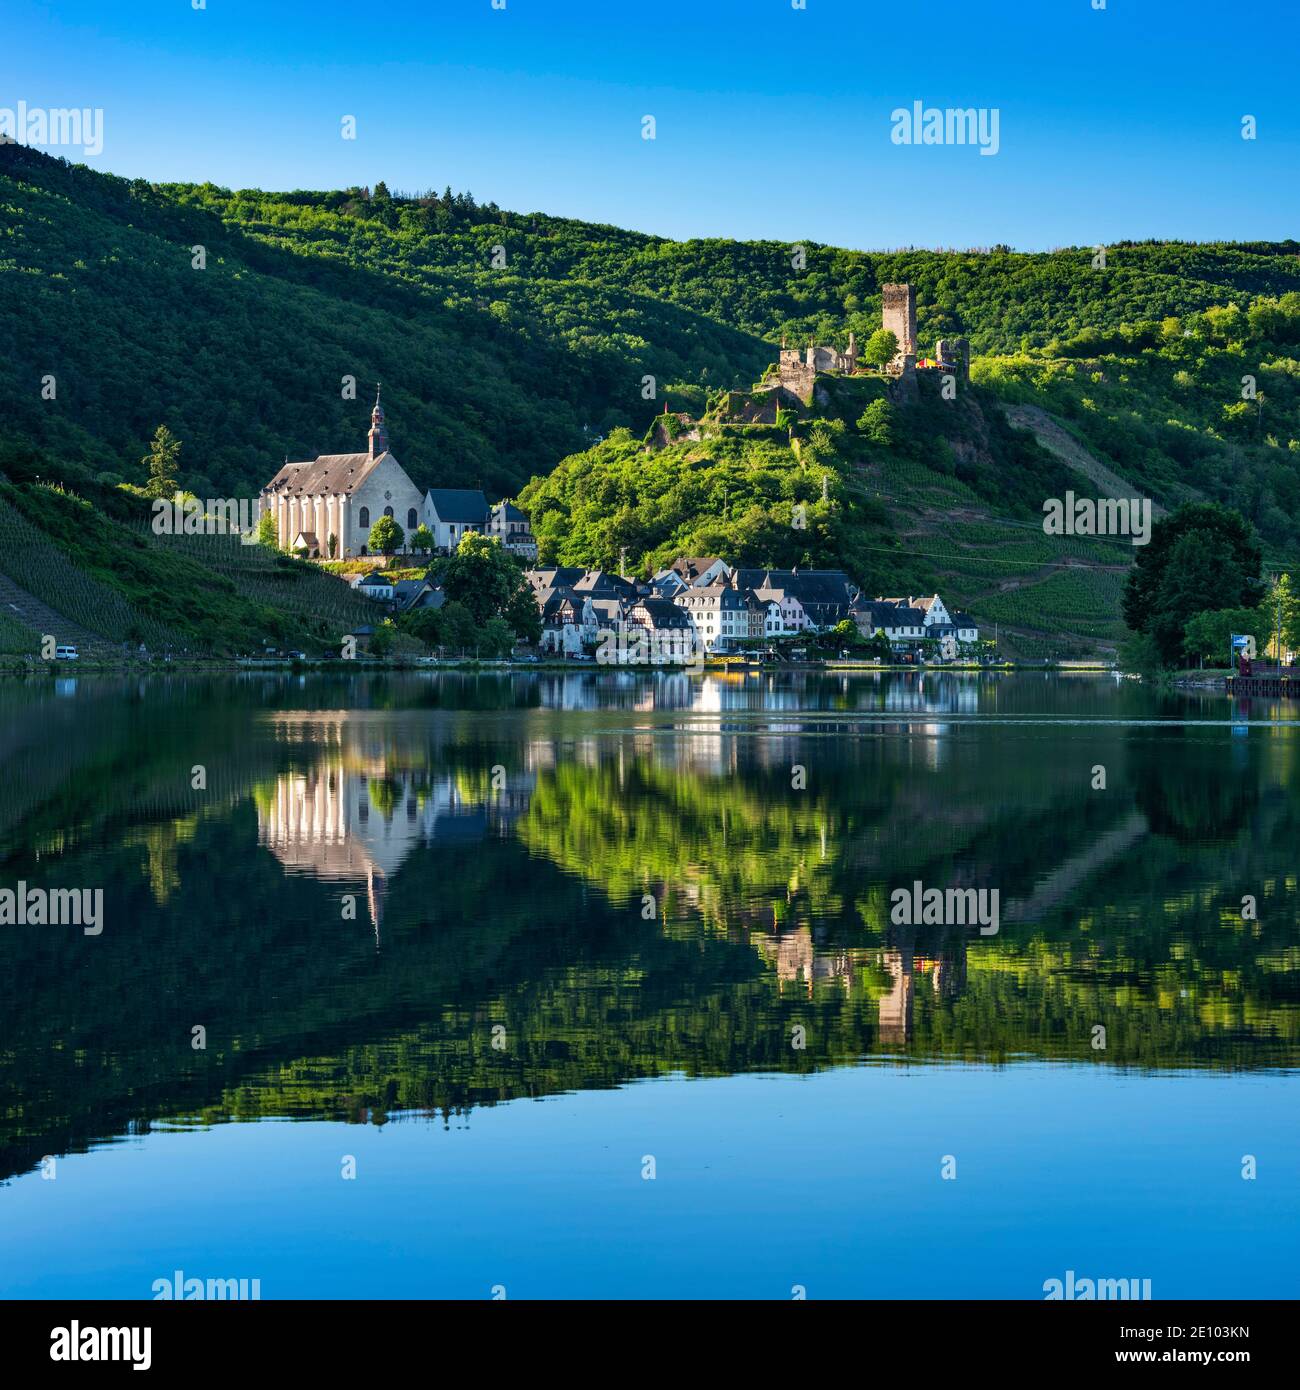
(491, 372)
(509, 344)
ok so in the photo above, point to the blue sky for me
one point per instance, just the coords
(771, 121)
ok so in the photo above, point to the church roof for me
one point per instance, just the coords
(331, 473)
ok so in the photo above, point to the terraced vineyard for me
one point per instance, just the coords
(319, 600)
(123, 585)
(17, 639)
(29, 559)
(1076, 597)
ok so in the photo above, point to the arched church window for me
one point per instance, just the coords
(411, 521)
(388, 511)
(364, 519)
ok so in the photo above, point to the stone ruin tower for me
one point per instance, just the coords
(898, 316)
(954, 356)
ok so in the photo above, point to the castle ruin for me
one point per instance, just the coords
(793, 385)
(797, 370)
(898, 316)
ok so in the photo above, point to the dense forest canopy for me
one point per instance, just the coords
(505, 340)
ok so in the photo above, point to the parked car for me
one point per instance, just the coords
(66, 653)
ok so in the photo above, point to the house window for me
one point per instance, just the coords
(364, 519)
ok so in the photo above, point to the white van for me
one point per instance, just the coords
(66, 653)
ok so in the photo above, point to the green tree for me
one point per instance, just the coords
(460, 629)
(1282, 608)
(162, 463)
(421, 540)
(523, 614)
(381, 640)
(881, 348)
(1202, 557)
(386, 536)
(483, 576)
(497, 638)
(424, 624)
(267, 532)
(1207, 634)
(877, 422)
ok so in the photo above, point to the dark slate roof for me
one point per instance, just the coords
(406, 591)
(663, 612)
(690, 567)
(808, 586)
(511, 512)
(337, 473)
(459, 504)
(608, 608)
(550, 600)
(723, 595)
(604, 582)
(886, 615)
(559, 577)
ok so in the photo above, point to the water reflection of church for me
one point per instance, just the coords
(352, 819)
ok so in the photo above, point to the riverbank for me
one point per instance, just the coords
(32, 668)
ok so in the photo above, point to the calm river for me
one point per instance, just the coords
(593, 986)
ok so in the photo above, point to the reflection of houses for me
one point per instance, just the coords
(896, 1006)
(796, 960)
(933, 693)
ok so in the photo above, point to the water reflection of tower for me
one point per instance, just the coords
(947, 972)
(896, 1006)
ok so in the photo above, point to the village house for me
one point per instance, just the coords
(690, 572)
(451, 513)
(729, 608)
(898, 622)
(374, 585)
(909, 620)
(724, 617)
(507, 524)
(807, 598)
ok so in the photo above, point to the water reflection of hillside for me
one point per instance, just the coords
(501, 856)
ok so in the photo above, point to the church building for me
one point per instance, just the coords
(327, 505)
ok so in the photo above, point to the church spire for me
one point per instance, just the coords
(378, 434)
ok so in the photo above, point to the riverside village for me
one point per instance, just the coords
(360, 514)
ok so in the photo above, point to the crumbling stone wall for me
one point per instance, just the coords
(954, 356)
